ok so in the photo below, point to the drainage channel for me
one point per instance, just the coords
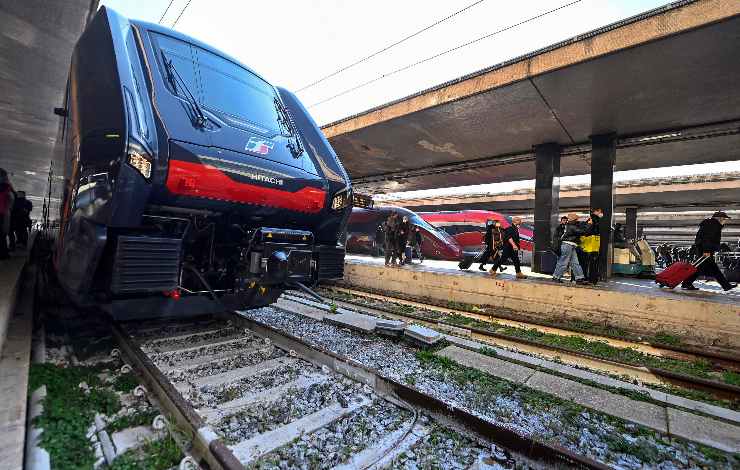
(252, 396)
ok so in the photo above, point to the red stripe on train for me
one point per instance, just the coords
(206, 181)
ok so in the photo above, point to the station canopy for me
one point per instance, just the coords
(665, 82)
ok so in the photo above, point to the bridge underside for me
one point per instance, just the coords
(36, 42)
(482, 128)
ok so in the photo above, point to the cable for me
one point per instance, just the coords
(181, 12)
(460, 46)
(165, 11)
(336, 72)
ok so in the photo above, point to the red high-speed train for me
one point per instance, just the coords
(363, 236)
(468, 227)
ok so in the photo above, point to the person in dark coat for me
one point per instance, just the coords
(493, 239)
(568, 259)
(20, 219)
(558, 236)
(417, 241)
(402, 239)
(707, 242)
(510, 250)
(390, 228)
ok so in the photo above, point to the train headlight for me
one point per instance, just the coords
(141, 163)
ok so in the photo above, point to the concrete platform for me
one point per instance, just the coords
(14, 365)
(10, 276)
(707, 317)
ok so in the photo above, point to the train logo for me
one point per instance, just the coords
(260, 146)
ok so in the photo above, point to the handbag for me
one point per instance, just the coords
(590, 243)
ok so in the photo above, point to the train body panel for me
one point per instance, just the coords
(188, 176)
(364, 236)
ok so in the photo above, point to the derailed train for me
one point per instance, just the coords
(192, 184)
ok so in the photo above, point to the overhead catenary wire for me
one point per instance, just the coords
(389, 46)
(165, 11)
(435, 56)
(181, 12)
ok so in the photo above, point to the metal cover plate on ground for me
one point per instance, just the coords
(354, 321)
(422, 334)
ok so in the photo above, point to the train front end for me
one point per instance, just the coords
(217, 189)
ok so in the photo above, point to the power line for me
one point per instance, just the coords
(165, 11)
(337, 72)
(460, 46)
(181, 12)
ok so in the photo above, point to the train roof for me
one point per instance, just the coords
(157, 28)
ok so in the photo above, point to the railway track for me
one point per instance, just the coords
(645, 374)
(250, 396)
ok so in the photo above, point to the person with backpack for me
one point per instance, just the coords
(707, 242)
(493, 240)
(568, 244)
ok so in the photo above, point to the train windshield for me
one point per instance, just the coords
(220, 85)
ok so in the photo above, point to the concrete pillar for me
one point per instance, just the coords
(546, 203)
(603, 155)
(630, 225)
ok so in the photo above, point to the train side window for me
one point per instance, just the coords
(137, 93)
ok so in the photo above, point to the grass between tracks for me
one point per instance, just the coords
(69, 410)
(575, 343)
(649, 446)
(161, 454)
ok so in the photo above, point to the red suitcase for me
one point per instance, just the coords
(678, 272)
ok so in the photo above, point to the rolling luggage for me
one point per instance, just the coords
(469, 258)
(678, 272)
(407, 255)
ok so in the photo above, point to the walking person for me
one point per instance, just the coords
(390, 227)
(402, 239)
(568, 243)
(510, 250)
(20, 219)
(493, 239)
(558, 236)
(6, 206)
(707, 242)
(417, 241)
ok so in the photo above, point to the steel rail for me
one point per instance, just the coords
(551, 454)
(206, 444)
(719, 388)
(718, 358)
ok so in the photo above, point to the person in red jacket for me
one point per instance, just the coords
(6, 205)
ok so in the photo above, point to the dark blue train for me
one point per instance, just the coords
(192, 184)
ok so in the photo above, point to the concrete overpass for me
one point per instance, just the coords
(659, 89)
(665, 82)
(36, 42)
(672, 194)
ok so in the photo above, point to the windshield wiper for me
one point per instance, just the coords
(174, 76)
(286, 122)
